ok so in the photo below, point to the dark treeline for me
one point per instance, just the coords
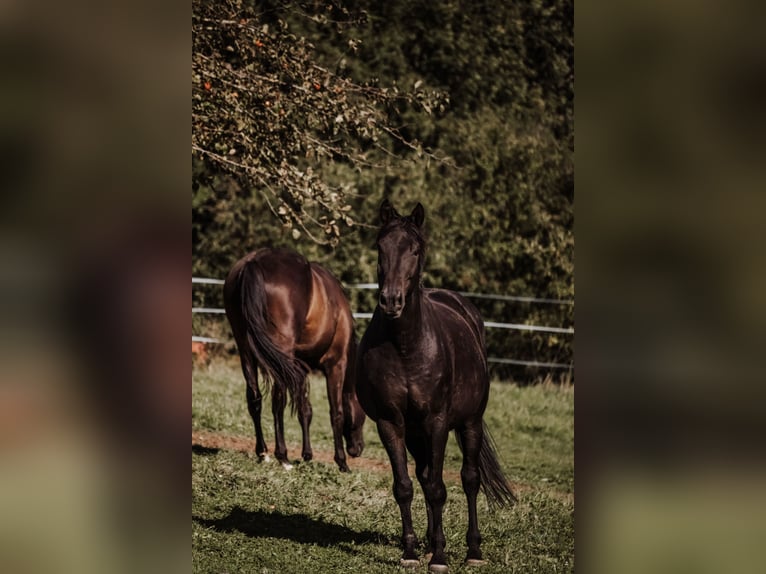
(308, 114)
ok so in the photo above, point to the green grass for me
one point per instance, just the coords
(258, 518)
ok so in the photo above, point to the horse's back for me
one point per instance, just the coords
(450, 300)
(286, 285)
(329, 323)
(462, 331)
(285, 268)
(278, 266)
(333, 290)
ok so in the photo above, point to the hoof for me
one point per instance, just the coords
(307, 456)
(409, 563)
(287, 466)
(263, 458)
(438, 568)
(475, 562)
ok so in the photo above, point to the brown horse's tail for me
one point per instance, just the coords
(276, 366)
(493, 481)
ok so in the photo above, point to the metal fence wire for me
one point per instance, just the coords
(487, 324)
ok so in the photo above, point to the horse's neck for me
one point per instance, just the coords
(408, 329)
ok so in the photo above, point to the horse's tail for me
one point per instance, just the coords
(493, 481)
(276, 365)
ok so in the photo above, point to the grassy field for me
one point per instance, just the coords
(258, 518)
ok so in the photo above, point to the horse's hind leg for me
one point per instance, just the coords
(470, 439)
(278, 402)
(254, 402)
(335, 375)
(305, 414)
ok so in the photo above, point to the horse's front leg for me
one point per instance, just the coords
(392, 437)
(436, 495)
(420, 450)
(335, 375)
(278, 402)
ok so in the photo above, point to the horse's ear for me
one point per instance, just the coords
(418, 215)
(387, 212)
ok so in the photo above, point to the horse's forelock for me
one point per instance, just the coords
(405, 223)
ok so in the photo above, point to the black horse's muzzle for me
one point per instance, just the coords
(391, 302)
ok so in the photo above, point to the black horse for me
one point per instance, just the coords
(290, 316)
(421, 372)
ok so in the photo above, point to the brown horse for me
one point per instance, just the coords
(290, 316)
(422, 371)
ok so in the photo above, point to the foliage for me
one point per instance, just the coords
(251, 517)
(499, 210)
(266, 112)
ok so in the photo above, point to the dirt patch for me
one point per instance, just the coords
(211, 441)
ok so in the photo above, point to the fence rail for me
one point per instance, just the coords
(207, 310)
(530, 363)
(488, 324)
(521, 298)
(196, 339)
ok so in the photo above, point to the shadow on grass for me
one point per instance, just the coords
(296, 527)
(204, 450)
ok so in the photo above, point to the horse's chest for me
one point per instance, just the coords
(404, 379)
(425, 385)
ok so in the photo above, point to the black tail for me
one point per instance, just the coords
(276, 366)
(493, 481)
